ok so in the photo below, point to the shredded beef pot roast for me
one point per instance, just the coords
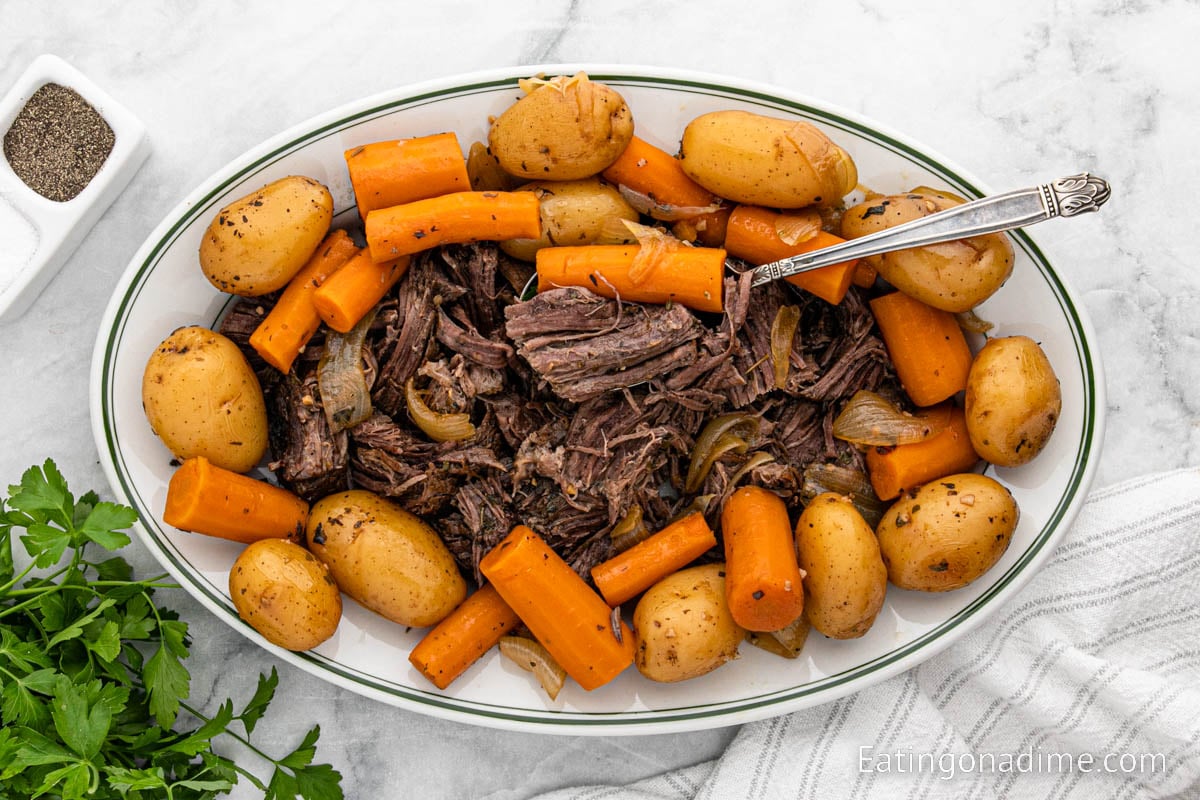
(584, 408)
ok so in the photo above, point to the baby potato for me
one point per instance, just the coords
(683, 625)
(845, 580)
(202, 399)
(573, 213)
(385, 558)
(257, 243)
(953, 276)
(766, 161)
(563, 129)
(283, 592)
(1013, 400)
(947, 533)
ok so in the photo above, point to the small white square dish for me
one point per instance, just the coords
(48, 206)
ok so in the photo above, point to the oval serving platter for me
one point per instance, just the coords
(163, 288)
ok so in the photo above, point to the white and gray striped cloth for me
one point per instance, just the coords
(1087, 685)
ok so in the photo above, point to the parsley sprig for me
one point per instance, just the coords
(92, 680)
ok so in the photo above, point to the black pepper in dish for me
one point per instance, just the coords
(57, 142)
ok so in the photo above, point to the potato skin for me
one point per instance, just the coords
(572, 212)
(765, 161)
(283, 592)
(1013, 400)
(257, 243)
(947, 533)
(683, 625)
(202, 398)
(845, 580)
(562, 130)
(953, 276)
(385, 558)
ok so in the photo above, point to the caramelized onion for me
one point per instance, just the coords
(437, 426)
(848, 482)
(971, 322)
(340, 377)
(531, 656)
(646, 204)
(756, 460)
(794, 227)
(727, 433)
(654, 245)
(870, 419)
(783, 331)
(629, 530)
(786, 642)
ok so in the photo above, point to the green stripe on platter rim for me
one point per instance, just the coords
(216, 600)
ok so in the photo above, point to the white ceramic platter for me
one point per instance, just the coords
(163, 289)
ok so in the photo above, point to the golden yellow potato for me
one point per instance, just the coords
(1013, 400)
(573, 213)
(953, 276)
(845, 579)
(257, 243)
(766, 161)
(563, 129)
(947, 533)
(683, 625)
(202, 399)
(283, 592)
(385, 558)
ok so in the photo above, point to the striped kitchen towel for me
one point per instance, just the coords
(1086, 685)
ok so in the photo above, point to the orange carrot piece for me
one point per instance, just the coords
(559, 608)
(927, 347)
(452, 218)
(753, 235)
(459, 640)
(628, 574)
(655, 173)
(352, 291)
(688, 275)
(203, 498)
(762, 575)
(402, 170)
(894, 469)
(286, 329)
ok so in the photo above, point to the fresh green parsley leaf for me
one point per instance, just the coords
(263, 695)
(168, 681)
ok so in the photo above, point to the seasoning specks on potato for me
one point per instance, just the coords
(385, 558)
(564, 129)
(257, 243)
(947, 533)
(283, 592)
(1013, 400)
(202, 399)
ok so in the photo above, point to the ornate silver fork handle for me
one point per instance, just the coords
(1064, 197)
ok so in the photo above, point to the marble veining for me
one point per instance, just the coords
(1018, 93)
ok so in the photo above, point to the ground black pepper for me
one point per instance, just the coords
(58, 142)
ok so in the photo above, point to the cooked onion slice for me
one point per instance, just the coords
(530, 656)
(971, 322)
(724, 434)
(646, 204)
(439, 427)
(340, 377)
(794, 227)
(654, 246)
(870, 419)
(754, 461)
(846, 481)
(783, 331)
(629, 530)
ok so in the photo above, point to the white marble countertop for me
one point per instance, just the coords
(1017, 92)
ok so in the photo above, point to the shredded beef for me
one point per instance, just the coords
(584, 407)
